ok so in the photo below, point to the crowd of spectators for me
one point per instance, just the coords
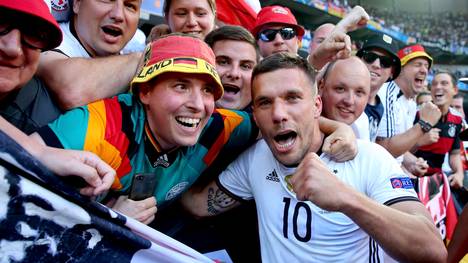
(444, 28)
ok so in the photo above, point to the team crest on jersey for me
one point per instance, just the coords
(176, 190)
(401, 182)
(288, 184)
(451, 130)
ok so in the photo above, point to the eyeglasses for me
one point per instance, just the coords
(269, 35)
(33, 36)
(370, 57)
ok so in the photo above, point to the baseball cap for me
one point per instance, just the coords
(276, 14)
(408, 53)
(386, 43)
(178, 53)
(38, 10)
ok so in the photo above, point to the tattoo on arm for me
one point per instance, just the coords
(218, 201)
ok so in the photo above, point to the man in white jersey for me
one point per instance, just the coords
(348, 204)
(396, 131)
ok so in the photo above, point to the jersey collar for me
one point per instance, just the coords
(154, 152)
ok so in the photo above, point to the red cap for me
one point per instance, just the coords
(40, 11)
(276, 14)
(408, 53)
(176, 53)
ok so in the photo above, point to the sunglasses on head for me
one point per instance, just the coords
(269, 35)
(33, 36)
(369, 57)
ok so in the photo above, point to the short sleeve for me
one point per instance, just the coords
(69, 129)
(235, 179)
(387, 183)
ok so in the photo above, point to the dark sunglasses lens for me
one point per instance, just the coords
(369, 57)
(287, 33)
(385, 62)
(268, 35)
(35, 38)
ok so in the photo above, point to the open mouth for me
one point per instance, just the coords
(285, 140)
(439, 95)
(231, 89)
(113, 31)
(419, 80)
(188, 122)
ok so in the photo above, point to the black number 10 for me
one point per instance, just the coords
(299, 205)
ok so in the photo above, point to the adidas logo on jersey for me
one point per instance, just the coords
(162, 161)
(273, 176)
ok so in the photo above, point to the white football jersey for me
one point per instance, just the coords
(399, 112)
(296, 231)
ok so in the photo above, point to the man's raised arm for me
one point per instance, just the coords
(79, 81)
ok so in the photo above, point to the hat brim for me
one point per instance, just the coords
(188, 65)
(397, 64)
(416, 54)
(40, 14)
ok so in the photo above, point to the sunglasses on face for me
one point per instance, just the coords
(269, 35)
(33, 36)
(369, 57)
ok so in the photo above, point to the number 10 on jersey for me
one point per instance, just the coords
(296, 211)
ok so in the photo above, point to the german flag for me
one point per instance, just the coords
(186, 62)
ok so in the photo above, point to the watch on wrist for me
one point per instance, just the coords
(425, 126)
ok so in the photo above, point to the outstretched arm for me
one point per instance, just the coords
(338, 44)
(98, 174)
(403, 142)
(79, 81)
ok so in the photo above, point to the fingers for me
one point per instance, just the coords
(149, 220)
(149, 202)
(355, 19)
(103, 175)
(147, 216)
(339, 150)
(77, 167)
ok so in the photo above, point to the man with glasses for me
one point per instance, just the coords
(379, 55)
(25, 102)
(276, 30)
(26, 29)
(396, 131)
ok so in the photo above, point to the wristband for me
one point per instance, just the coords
(425, 126)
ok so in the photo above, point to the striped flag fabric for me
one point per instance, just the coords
(43, 219)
